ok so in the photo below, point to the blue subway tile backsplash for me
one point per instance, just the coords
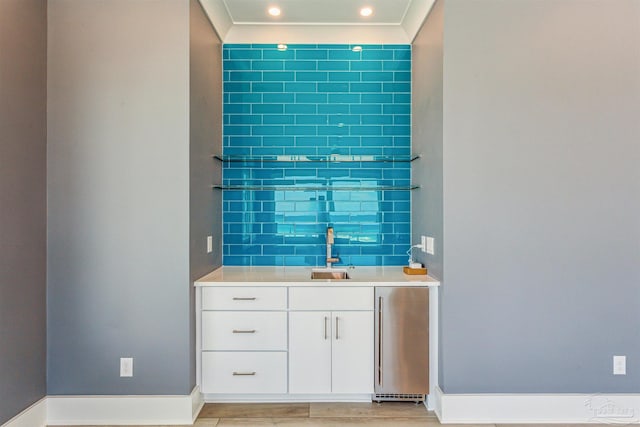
(316, 100)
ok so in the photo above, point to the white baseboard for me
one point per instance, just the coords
(197, 403)
(34, 416)
(119, 410)
(278, 398)
(537, 408)
(449, 408)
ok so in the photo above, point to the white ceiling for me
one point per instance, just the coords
(317, 21)
(316, 11)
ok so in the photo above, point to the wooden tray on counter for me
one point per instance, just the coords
(415, 271)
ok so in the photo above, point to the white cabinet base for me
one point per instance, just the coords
(276, 398)
(279, 390)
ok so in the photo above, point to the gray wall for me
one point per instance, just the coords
(23, 126)
(541, 195)
(118, 191)
(205, 205)
(427, 138)
(427, 78)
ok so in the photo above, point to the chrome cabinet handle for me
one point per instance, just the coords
(380, 340)
(325, 327)
(244, 331)
(337, 337)
(244, 298)
(244, 374)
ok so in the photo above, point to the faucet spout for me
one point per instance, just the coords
(330, 240)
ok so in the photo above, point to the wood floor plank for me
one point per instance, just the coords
(253, 422)
(330, 422)
(370, 410)
(255, 410)
(357, 421)
(544, 425)
(207, 422)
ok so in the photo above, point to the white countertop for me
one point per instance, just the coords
(301, 276)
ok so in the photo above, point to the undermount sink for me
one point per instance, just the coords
(330, 274)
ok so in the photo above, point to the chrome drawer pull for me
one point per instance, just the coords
(241, 331)
(244, 298)
(243, 374)
(325, 327)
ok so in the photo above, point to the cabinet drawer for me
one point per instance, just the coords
(238, 372)
(316, 298)
(260, 330)
(244, 298)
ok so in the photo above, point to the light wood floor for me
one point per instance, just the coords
(316, 414)
(387, 414)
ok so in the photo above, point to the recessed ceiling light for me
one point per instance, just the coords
(274, 11)
(357, 48)
(366, 11)
(282, 47)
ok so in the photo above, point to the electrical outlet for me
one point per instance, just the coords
(619, 365)
(209, 244)
(430, 246)
(423, 243)
(126, 366)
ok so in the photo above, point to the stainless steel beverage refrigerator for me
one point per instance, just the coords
(401, 343)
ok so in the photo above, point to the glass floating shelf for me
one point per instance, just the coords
(314, 188)
(330, 158)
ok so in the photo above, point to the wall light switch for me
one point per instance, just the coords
(209, 244)
(619, 365)
(126, 366)
(430, 246)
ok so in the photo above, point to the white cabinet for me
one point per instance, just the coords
(331, 351)
(243, 340)
(279, 340)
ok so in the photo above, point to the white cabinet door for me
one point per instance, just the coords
(352, 353)
(310, 352)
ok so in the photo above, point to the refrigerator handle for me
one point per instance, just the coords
(380, 341)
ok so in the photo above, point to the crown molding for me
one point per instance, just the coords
(317, 34)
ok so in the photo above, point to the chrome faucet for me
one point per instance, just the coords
(330, 240)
